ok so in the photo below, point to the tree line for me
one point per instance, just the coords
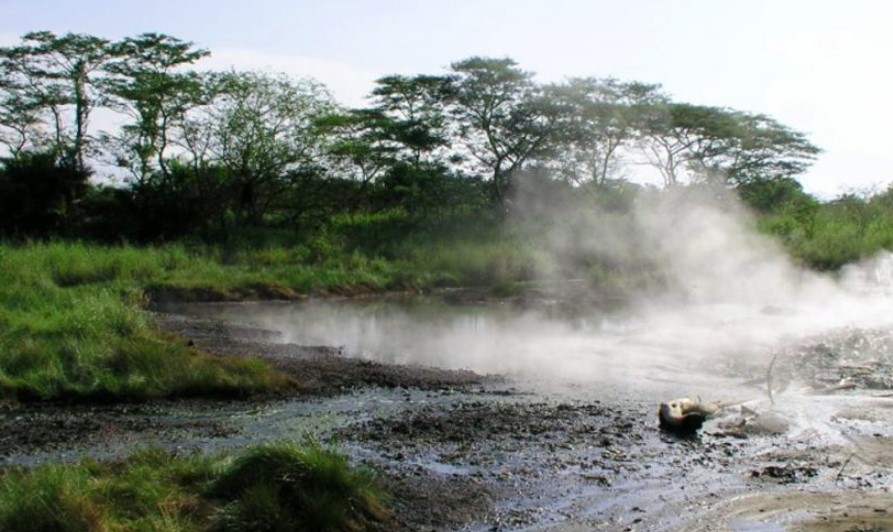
(202, 153)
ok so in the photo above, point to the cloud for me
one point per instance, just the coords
(349, 83)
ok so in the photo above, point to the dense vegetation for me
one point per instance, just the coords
(235, 158)
(209, 154)
(276, 487)
(72, 325)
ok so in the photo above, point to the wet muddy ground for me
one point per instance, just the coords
(462, 451)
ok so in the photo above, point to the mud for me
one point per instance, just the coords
(320, 370)
(34, 433)
(462, 451)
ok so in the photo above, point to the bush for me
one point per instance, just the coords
(38, 195)
(288, 487)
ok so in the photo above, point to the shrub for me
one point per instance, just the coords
(287, 487)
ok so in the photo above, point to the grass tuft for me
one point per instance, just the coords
(278, 487)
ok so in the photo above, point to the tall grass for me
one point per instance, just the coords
(73, 324)
(473, 263)
(275, 487)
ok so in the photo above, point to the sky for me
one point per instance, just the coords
(819, 66)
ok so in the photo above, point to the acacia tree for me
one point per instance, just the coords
(147, 84)
(603, 117)
(56, 79)
(359, 143)
(677, 137)
(763, 149)
(503, 118)
(20, 115)
(261, 129)
(416, 109)
(406, 124)
(724, 145)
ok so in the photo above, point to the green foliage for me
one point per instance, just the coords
(143, 79)
(72, 324)
(259, 151)
(602, 116)
(52, 82)
(278, 487)
(38, 195)
(504, 118)
(50, 498)
(774, 195)
(476, 263)
(721, 145)
(828, 235)
(287, 487)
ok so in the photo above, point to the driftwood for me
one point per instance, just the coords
(685, 416)
(842, 385)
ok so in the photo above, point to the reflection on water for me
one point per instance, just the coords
(492, 338)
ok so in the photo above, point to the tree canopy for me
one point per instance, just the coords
(255, 142)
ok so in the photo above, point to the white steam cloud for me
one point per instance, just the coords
(727, 294)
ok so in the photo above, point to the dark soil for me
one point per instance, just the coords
(319, 370)
(31, 433)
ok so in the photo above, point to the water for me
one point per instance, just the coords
(674, 342)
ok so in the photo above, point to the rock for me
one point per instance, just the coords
(684, 416)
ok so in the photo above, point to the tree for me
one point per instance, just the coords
(415, 107)
(54, 84)
(262, 129)
(764, 149)
(38, 195)
(360, 139)
(732, 147)
(406, 124)
(603, 117)
(677, 136)
(20, 114)
(503, 118)
(148, 85)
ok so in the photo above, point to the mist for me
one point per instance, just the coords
(708, 290)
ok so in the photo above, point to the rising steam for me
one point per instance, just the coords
(722, 293)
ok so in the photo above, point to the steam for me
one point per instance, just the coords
(719, 292)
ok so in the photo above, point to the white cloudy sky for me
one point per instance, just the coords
(820, 66)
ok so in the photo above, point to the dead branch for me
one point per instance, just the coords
(842, 385)
(769, 383)
(846, 463)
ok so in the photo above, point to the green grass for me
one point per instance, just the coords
(474, 263)
(275, 487)
(73, 324)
